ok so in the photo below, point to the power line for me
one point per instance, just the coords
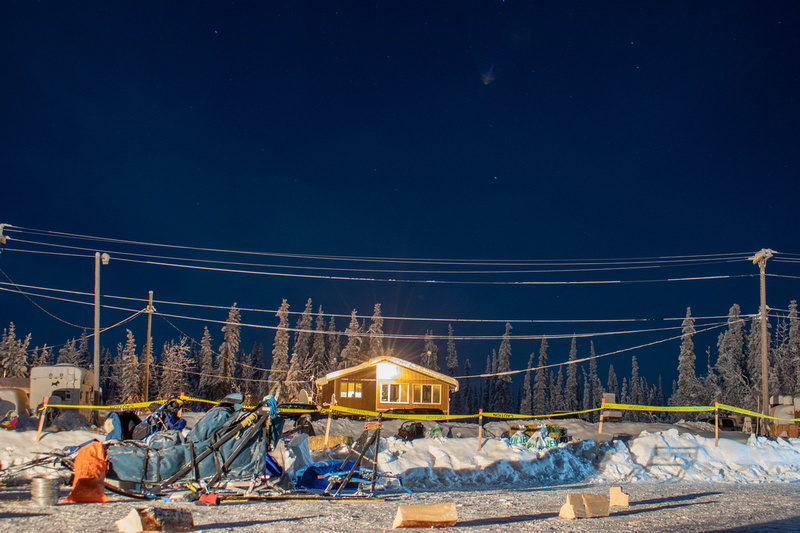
(736, 255)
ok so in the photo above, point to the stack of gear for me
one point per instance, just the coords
(230, 442)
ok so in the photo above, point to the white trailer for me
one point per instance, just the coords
(72, 385)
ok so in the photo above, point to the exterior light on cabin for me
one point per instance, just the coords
(387, 371)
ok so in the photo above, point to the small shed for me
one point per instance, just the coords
(385, 383)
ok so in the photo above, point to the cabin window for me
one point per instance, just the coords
(351, 389)
(394, 393)
(428, 394)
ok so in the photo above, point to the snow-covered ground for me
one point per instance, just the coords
(744, 484)
(655, 452)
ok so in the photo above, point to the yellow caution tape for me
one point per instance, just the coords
(752, 413)
(627, 407)
(108, 407)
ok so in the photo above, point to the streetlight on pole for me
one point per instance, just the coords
(98, 258)
(760, 259)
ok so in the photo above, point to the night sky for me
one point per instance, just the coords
(559, 132)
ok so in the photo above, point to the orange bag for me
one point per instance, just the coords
(91, 465)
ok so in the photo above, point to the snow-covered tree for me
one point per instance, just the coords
(349, 355)
(207, 384)
(572, 392)
(226, 362)
(129, 385)
(688, 392)
(333, 348)
(467, 391)
(175, 362)
(502, 391)
(526, 403)
(318, 363)
(731, 364)
(297, 376)
(613, 384)
(107, 382)
(540, 383)
(452, 370)
(488, 383)
(13, 354)
(246, 376)
(429, 358)
(280, 353)
(557, 391)
(373, 341)
(85, 358)
(597, 385)
(68, 354)
(793, 345)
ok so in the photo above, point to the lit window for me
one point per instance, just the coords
(394, 393)
(431, 394)
(350, 389)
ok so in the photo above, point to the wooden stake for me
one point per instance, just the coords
(600, 429)
(328, 426)
(480, 429)
(41, 419)
(716, 424)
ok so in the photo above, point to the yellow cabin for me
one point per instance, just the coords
(385, 383)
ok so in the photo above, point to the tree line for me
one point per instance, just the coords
(317, 348)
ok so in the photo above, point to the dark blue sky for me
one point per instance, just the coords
(609, 130)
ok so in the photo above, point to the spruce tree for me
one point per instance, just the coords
(540, 384)
(452, 370)
(175, 362)
(129, 385)
(373, 342)
(13, 354)
(557, 392)
(688, 386)
(613, 384)
(587, 390)
(333, 348)
(68, 354)
(207, 385)
(429, 358)
(280, 353)
(467, 392)
(731, 364)
(318, 364)
(502, 392)
(226, 362)
(572, 393)
(297, 376)
(349, 355)
(247, 384)
(488, 382)
(107, 383)
(793, 348)
(597, 385)
(84, 357)
(526, 403)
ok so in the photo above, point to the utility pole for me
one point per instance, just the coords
(761, 258)
(148, 346)
(98, 258)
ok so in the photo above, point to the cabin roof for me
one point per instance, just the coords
(337, 374)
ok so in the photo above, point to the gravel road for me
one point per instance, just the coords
(673, 507)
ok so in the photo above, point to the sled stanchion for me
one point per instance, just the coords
(480, 429)
(600, 428)
(716, 424)
(41, 419)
